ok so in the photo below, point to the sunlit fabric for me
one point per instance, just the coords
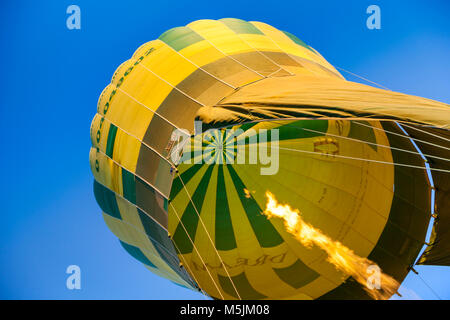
(350, 160)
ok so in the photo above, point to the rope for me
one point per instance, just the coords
(174, 87)
(363, 159)
(134, 173)
(404, 136)
(372, 143)
(205, 294)
(429, 287)
(429, 133)
(142, 104)
(198, 67)
(365, 79)
(264, 55)
(209, 236)
(231, 57)
(196, 250)
(136, 138)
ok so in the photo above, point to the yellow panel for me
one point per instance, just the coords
(202, 53)
(260, 42)
(109, 173)
(129, 214)
(220, 36)
(104, 174)
(288, 46)
(126, 150)
(169, 64)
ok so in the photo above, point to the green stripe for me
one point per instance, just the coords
(240, 26)
(160, 240)
(150, 201)
(106, 199)
(248, 125)
(180, 37)
(295, 130)
(224, 229)
(154, 230)
(129, 186)
(136, 253)
(110, 142)
(297, 40)
(265, 232)
(190, 216)
(297, 275)
(243, 287)
(186, 176)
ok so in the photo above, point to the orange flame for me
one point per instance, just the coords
(343, 258)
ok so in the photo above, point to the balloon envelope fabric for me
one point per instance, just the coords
(351, 158)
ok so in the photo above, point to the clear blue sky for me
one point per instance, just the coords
(52, 77)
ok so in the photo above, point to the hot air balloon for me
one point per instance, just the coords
(366, 166)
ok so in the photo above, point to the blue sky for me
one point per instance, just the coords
(51, 81)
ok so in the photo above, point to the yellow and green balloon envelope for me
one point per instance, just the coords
(351, 158)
